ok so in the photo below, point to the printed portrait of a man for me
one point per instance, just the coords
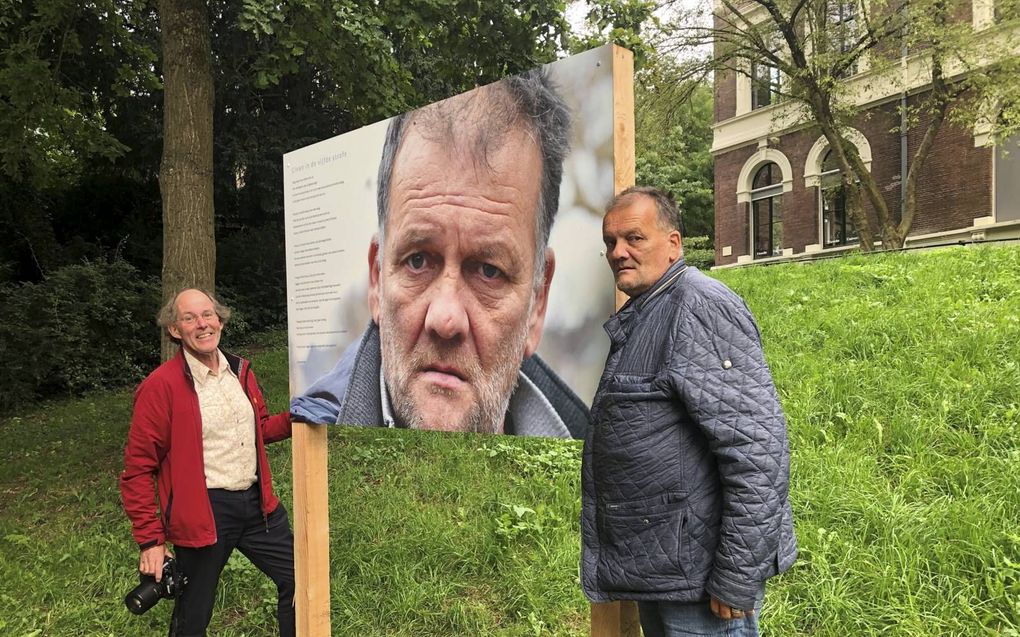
(460, 271)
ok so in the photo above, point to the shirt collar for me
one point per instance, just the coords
(529, 410)
(200, 372)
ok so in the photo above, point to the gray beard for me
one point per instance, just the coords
(493, 389)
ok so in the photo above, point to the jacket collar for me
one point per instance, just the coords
(668, 278)
(541, 406)
(618, 325)
(235, 362)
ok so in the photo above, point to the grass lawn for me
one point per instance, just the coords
(900, 376)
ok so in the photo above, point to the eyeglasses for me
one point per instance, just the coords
(191, 319)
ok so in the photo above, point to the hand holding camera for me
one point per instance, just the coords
(168, 583)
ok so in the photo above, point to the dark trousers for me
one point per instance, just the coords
(267, 542)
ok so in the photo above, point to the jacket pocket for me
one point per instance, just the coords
(630, 387)
(641, 551)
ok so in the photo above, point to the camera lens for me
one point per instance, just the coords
(144, 596)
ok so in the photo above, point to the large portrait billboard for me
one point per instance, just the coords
(443, 266)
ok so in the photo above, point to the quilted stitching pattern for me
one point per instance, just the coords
(686, 469)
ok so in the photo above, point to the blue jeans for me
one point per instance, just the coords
(687, 619)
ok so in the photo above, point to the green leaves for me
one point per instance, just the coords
(674, 139)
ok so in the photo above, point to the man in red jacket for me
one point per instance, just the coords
(199, 430)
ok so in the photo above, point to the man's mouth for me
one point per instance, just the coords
(444, 376)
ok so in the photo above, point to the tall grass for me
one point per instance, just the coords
(900, 376)
(901, 381)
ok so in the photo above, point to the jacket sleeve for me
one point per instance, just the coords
(147, 444)
(274, 428)
(727, 389)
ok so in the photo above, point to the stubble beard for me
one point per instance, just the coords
(492, 390)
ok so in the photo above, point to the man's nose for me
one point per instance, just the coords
(447, 316)
(619, 252)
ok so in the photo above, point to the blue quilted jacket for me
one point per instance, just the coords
(686, 467)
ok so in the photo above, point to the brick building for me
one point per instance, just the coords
(777, 194)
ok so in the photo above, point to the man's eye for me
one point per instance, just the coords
(490, 271)
(416, 261)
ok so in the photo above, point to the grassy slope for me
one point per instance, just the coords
(900, 378)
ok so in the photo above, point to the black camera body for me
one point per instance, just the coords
(149, 591)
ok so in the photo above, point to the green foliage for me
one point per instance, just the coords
(76, 79)
(86, 327)
(622, 22)
(699, 252)
(64, 64)
(674, 140)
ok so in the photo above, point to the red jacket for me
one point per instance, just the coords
(165, 443)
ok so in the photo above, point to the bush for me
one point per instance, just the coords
(699, 252)
(84, 327)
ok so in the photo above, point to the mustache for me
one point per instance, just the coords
(447, 358)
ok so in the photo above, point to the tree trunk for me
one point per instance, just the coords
(855, 208)
(186, 170)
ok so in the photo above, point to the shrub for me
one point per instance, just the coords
(85, 327)
(699, 252)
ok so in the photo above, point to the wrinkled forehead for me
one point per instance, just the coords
(506, 174)
(638, 211)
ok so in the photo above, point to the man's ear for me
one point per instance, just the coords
(676, 249)
(174, 332)
(373, 277)
(536, 322)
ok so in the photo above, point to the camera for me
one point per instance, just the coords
(149, 591)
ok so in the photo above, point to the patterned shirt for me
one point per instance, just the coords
(228, 426)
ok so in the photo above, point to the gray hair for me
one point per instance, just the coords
(167, 314)
(481, 120)
(668, 216)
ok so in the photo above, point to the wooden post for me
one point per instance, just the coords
(615, 619)
(311, 530)
(620, 619)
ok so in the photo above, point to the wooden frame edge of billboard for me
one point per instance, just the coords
(620, 619)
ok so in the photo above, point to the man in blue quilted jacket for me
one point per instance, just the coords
(686, 467)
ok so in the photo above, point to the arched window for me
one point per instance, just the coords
(767, 211)
(837, 227)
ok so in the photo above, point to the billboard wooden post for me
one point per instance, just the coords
(311, 530)
(620, 619)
